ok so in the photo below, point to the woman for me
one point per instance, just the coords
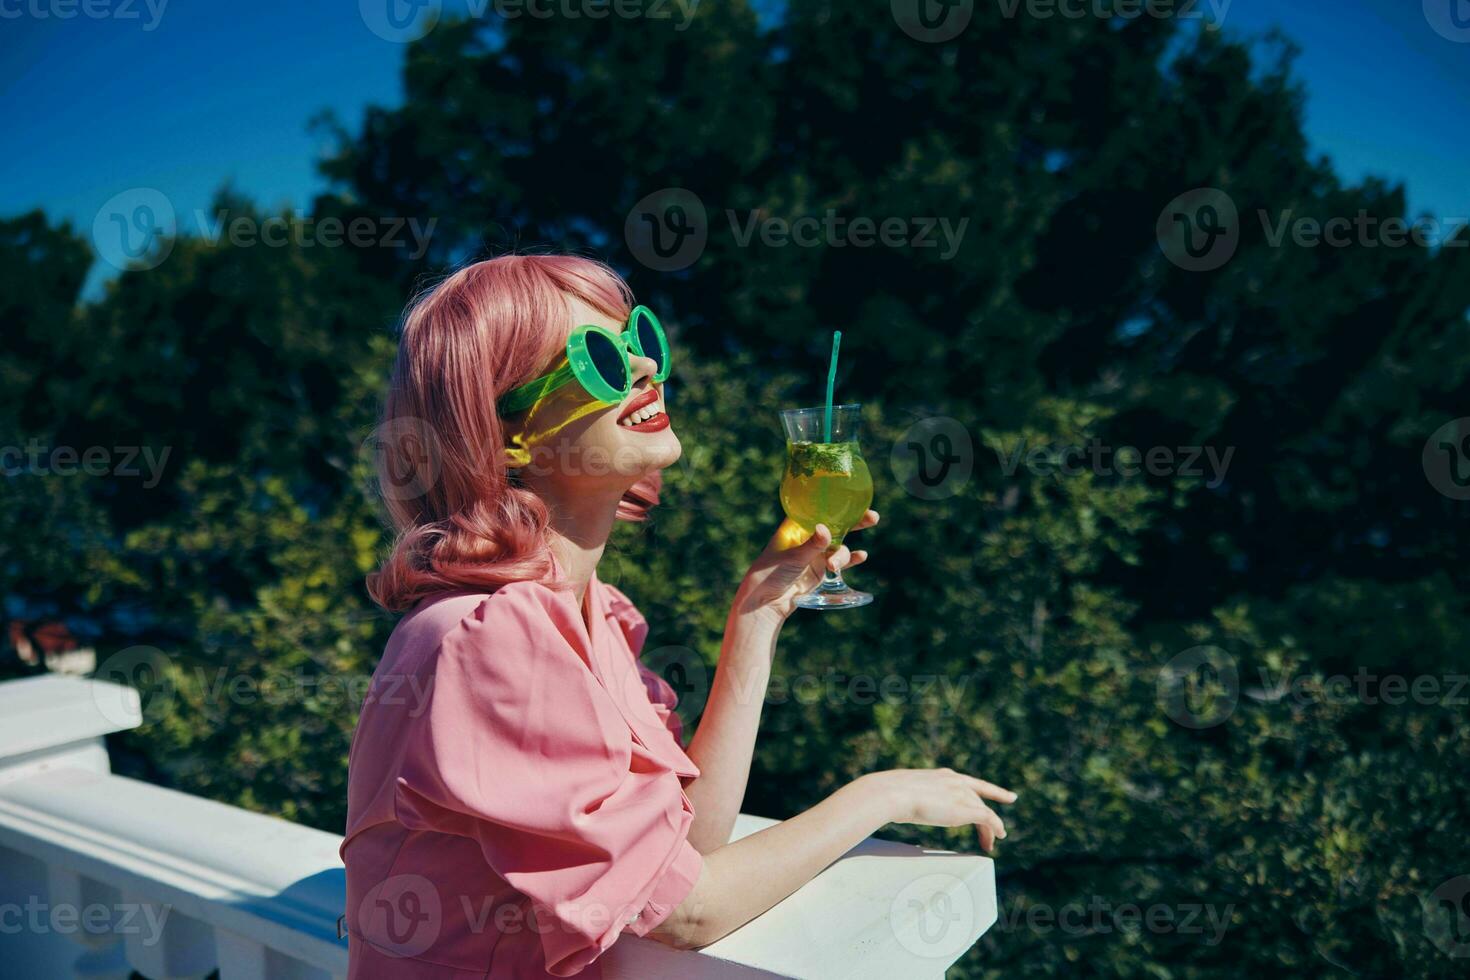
(519, 796)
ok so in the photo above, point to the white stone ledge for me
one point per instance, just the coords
(259, 897)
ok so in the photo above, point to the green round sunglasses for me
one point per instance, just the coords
(597, 359)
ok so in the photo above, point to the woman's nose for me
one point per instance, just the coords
(644, 368)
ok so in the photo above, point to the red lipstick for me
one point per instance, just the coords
(647, 398)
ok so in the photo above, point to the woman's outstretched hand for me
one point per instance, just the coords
(938, 798)
(792, 564)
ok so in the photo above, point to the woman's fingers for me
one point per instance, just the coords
(858, 557)
(990, 791)
(990, 825)
(991, 819)
(867, 520)
(839, 559)
(821, 538)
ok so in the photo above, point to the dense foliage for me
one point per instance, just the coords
(1144, 653)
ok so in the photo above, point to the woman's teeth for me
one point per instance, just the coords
(642, 415)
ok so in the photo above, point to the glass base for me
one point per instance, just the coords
(834, 596)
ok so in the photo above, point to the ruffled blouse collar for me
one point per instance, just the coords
(609, 640)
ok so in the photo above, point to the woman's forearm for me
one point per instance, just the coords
(724, 743)
(745, 878)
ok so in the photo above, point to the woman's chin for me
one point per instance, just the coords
(660, 450)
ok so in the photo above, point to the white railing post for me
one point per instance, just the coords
(55, 721)
(46, 723)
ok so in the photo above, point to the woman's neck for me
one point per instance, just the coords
(580, 526)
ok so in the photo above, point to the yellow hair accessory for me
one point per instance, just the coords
(547, 416)
(516, 454)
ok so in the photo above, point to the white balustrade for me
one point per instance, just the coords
(101, 875)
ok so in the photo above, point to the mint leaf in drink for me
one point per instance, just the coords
(811, 458)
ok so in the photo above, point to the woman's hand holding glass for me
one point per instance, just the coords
(792, 565)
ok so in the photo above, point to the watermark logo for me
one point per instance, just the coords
(687, 675)
(1446, 459)
(1449, 18)
(934, 458)
(1447, 917)
(402, 915)
(144, 669)
(1199, 230)
(406, 455)
(934, 917)
(933, 21)
(400, 21)
(135, 229)
(667, 230)
(1200, 687)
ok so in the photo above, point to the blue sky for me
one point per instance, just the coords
(189, 95)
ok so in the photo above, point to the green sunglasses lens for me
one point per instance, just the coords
(608, 360)
(649, 335)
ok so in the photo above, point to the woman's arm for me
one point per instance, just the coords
(791, 565)
(723, 744)
(745, 878)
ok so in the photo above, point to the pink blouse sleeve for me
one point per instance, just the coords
(522, 749)
(661, 694)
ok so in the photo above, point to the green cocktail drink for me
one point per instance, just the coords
(827, 481)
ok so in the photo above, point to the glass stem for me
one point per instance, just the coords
(832, 582)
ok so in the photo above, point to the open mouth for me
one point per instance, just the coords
(644, 413)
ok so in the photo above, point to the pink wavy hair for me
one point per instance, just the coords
(465, 343)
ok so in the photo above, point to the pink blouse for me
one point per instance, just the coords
(515, 794)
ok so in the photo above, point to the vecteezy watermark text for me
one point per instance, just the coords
(37, 917)
(1098, 916)
(148, 12)
(1202, 686)
(1127, 461)
(668, 230)
(405, 21)
(39, 459)
(837, 231)
(1183, 10)
(679, 11)
(303, 231)
(938, 21)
